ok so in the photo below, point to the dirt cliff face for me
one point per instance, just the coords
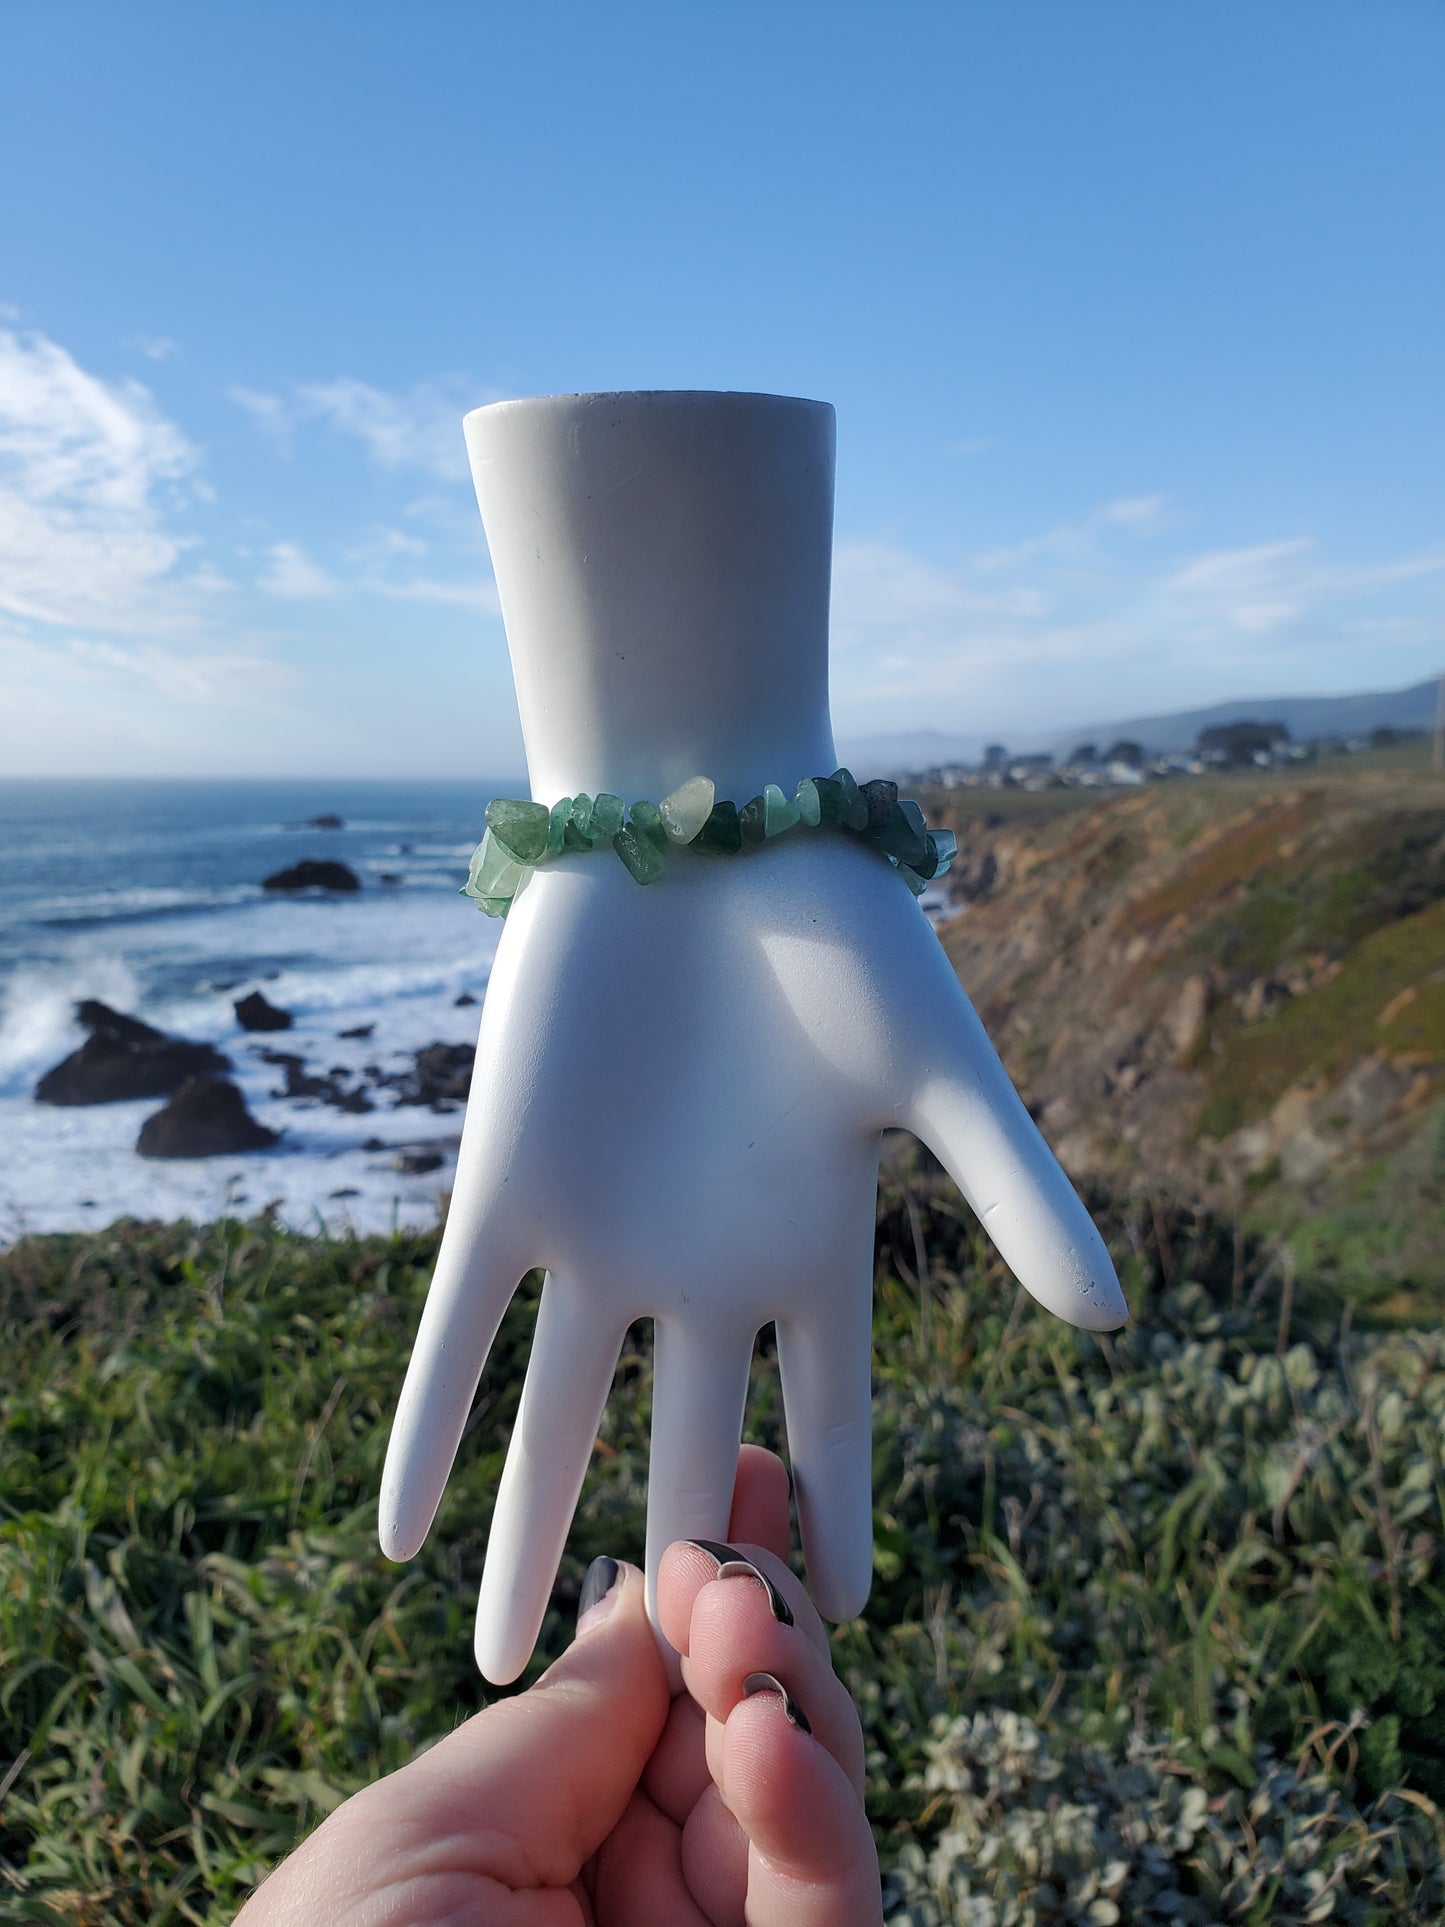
(1230, 990)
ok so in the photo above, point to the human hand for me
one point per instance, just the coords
(676, 1111)
(591, 1798)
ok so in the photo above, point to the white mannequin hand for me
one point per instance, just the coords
(679, 1088)
(676, 1110)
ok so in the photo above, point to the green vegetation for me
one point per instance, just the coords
(1158, 1625)
(1389, 991)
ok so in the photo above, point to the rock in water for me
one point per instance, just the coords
(415, 1162)
(328, 820)
(207, 1118)
(254, 1013)
(312, 874)
(123, 1058)
(443, 1075)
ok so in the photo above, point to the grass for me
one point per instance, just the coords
(1390, 990)
(1150, 1580)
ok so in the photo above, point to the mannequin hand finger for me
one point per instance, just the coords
(574, 1354)
(700, 1386)
(825, 1360)
(968, 1112)
(476, 1274)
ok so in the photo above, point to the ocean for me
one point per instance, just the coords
(147, 895)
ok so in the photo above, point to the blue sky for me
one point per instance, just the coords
(1132, 315)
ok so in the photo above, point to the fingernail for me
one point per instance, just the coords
(766, 1683)
(597, 1596)
(732, 1565)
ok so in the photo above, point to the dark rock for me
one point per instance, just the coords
(123, 1058)
(346, 1191)
(328, 820)
(101, 1021)
(413, 1162)
(254, 1013)
(312, 874)
(207, 1118)
(390, 876)
(373, 1144)
(329, 1089)
(358, 1030)
(465, 1001)
(442, 1073)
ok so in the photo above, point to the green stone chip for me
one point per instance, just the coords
(557, 825)
(810, 809)
(722, 834)
(751, 820)
(830, 798)
(779, 814)
(895, 836)
(640, 854)
(945, 844)
(854, 813)
(606, 817)
(521, 828)
(646, 819)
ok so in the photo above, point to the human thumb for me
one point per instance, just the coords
(518, 1798)
(544, 1777)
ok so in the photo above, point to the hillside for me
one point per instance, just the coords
(1232, 991)
(1305, 717)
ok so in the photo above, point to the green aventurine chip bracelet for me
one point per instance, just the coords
(521, 835)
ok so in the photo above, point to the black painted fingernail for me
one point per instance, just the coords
(766, 1683)
(601, 1577)
(732, 1565)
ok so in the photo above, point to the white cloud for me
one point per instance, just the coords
(1082, 620)
(419, 428)
(1140, 513)
(92, 476)
(398, 542)
(882, 584)
(154, 347)
(267, 411)
(99, 666)
(481, 596)
(291, 572)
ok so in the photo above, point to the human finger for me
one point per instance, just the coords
(967, 1111)
(692, 1564)
(569, 1374)
(741, 1625)
(762, 1496)
(825, 1361)
(811, 1857)
(677, 1776)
